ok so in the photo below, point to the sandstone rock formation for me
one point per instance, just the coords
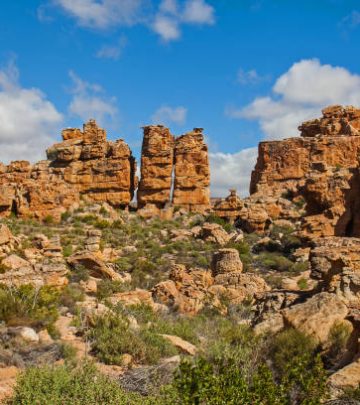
(156, 167)
(190, 290)
(100, 170)
(173, 170)
(84, 164)
(229, 208)
(321, 167)
(192, 173)
(335, 263)
(317, 315)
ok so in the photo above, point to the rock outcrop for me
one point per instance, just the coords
(192, 172)
(173, 170)
(84, 164)
(190, 290)
(321, 167)
(87, 166)
(157, 160)
(101, 171)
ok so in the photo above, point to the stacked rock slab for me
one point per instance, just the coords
(37, 191)
(84, 164)
(230, 207)
(192, 173)
(100, 170)
(157, 158)
(174, 170)
(321, 166)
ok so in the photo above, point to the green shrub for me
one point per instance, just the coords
(65, 216)
(274, 261)
(67, 250)
(302, 284)
(106, 288)
(111, 338)
(339, 336)
(288, 345)
(29, 306)
(214, 219)
(49, 220)
(303, 381)
(70, 295)
(79, 273)
(67, 385)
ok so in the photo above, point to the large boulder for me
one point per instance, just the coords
(316, 316)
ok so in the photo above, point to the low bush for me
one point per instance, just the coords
(214, 219)
(338, 339)
(60, 385)
(111, 337)
(106, 288)
(28, 306)
(274, 261)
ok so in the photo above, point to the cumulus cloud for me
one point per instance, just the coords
(299, 94)
(171, 15)
(250, 77)
(165, 20)
(103, 14)
(28, 121)
(198, 12)
(112, 51)
(232, 171)
(169, 115)
(90, 101)
(167, 27)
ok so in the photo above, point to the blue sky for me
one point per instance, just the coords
(245, 70)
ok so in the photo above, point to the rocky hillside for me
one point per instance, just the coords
(254, 301)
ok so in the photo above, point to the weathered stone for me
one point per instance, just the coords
(229, 208)
(319, 171)
(95, 265)
(192, 173)
(335, 264)
(347, 377)
(5, 235)
(183, 345)
(226, 261)
(14, 262)
(185, 291)
(83, 164)
(214, 233)
(316, 316)
(156, 167)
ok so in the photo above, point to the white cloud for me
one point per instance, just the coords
(168, 115)
(171, 16)
(250, 77)
(112, 51)
(90, 101)
(198, 12)
(298, 95)
(28, 121)
(165, 21)
(232, 171)
(103, 14)
(166, 27)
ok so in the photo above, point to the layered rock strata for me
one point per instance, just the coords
(84, 164)
(321, 167)
(157, 159)
(100, 170)
(174, 170)
(192, 172)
